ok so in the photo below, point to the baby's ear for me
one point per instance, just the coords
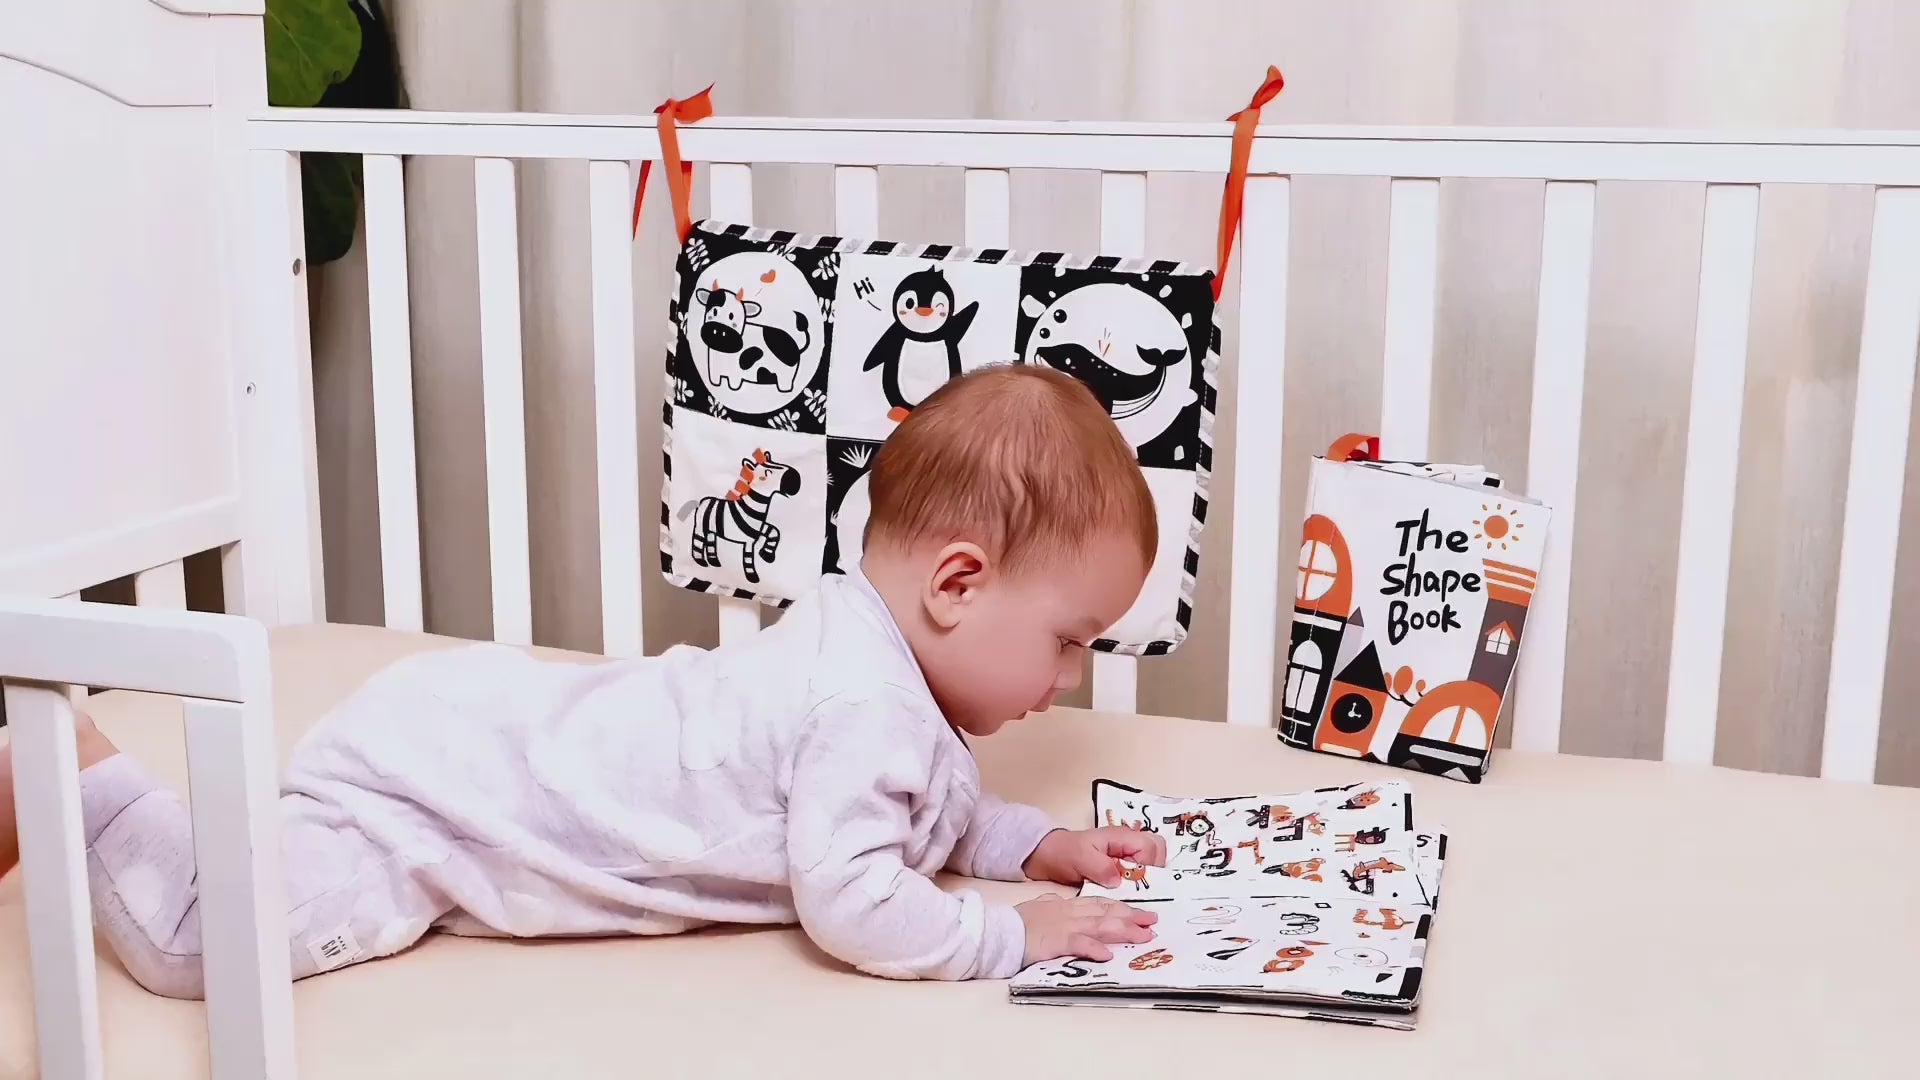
(957, 576)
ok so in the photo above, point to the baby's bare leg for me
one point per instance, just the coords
(92, 747)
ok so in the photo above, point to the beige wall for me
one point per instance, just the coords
(1671, 63)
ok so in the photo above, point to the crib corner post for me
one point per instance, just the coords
(236, 839)
(53, 865)
(273, 572)
(279, 466)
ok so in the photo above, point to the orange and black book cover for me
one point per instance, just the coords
(1410, 610)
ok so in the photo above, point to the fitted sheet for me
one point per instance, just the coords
(1600, 918)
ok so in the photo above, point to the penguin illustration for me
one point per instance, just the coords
(921, 349)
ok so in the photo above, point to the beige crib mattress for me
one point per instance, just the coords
(1600, 918)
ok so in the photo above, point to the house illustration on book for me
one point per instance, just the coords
(1357, 706)
(1338, 693)
(1336, 689)
(1322, 608)
(1451, 728)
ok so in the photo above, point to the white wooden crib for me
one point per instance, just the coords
(156, 404)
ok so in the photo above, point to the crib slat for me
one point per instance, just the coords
(233, 579)
(163, 586)
(1553, 455)
(1876, 474)
(1123, 214)
(281, 473)
(1123, 231)
(730, 193)
(389, 323)
(76, 694)
(989, 208)
(856, 201)
(53, 864)
(503, 398)
(1413, 261)
(1713, 464)
(1258, 548)
(616, 420)
(739, 619)
(236, 845)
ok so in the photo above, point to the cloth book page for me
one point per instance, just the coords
(1313, 904)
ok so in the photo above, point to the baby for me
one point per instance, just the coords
(816, 772)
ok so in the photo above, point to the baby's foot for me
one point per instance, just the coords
(92, 747)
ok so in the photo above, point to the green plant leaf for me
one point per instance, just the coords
(311, 44)
(330, 204)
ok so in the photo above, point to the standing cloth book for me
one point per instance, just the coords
(1410, 607)
(792, 358)
(1316, 905)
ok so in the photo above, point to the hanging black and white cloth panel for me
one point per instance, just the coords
(792, 358)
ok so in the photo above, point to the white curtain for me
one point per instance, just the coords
(1653, 63)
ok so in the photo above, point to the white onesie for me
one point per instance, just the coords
(804, 774)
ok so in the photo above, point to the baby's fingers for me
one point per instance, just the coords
(1122, 928)
(1157, 855)
(1146, 848)
(1088, 946)
(1103, 871)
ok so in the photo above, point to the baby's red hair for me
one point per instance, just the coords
(1019, 459)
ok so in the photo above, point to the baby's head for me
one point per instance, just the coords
(1010, 526)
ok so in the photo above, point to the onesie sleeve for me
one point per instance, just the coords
(859, 769)
(998, 839)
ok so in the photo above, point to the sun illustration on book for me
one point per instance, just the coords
(1497, 527)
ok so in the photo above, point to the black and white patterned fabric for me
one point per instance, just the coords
(792, 358)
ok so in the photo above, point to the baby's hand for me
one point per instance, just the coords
(1081, 926)
(1092, 855)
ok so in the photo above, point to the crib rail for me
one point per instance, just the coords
(1812, 157)
(1570, 163)
(218, 665)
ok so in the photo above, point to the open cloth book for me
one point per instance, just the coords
(1316, 904)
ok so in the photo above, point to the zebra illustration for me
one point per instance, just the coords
(741, 517)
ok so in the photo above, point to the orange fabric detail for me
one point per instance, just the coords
(1244, 123)
(1507, 594)
(1355, 448)
(1517, 571)
(672, 113)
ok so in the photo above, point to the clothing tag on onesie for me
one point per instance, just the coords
(335, 950)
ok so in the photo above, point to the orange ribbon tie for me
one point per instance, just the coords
(1244, 123)
(1355, 447)
(672, 113)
